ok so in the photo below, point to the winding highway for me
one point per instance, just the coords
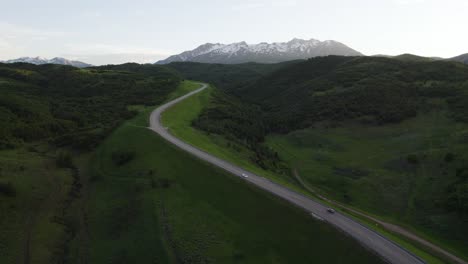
(382, 246)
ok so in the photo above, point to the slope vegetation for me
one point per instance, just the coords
(51, 118)
(386, 136)
(163, 205)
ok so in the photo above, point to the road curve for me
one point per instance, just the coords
(385, 248)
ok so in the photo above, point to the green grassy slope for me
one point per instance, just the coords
(401, 172)
(171, 206)
(51, 118)
(183, 88)
(30, 221)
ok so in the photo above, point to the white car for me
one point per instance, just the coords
(331, 210)
(245, 175)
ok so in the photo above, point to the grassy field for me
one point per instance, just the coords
(428, 255)
(162, 205)
(31, 211)
(394, 171)
(184, 88)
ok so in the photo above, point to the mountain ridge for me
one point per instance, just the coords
(56, 60)
(463, 58)
(241, 52)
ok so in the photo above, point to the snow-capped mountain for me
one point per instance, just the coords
(242, 52)
(57, 60)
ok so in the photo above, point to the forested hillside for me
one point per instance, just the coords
(226, 76)
(326, 91)
(373, 90)
(331, 89)
(74, 107)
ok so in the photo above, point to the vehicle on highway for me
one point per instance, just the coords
(245, 175)
(331, 210)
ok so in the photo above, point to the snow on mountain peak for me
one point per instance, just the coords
(40, 60)
(232, 48)
(263, 52)
(264, 47)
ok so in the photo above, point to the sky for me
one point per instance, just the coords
(144, 31)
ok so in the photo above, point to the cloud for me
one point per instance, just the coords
(16, 40)
(248, 6)
(86, 48)
(116, 58)
(264, 4)
(13, 31)
(409, 2)
(99, 54)
(288, 3)
(6, 49)
(92, 14)
(4, 44)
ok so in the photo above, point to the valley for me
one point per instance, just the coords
(235, 132)
(384, 149)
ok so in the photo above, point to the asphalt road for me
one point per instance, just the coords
(388, 250)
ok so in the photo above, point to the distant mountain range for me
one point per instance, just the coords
(242, 52)
(57, 60)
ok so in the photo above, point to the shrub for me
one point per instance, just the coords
(449, 157)
(64, 159)
(121, 157)
(7, 189)
(412, 159)
(163, 183)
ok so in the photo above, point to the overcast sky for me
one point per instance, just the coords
(117, 31)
